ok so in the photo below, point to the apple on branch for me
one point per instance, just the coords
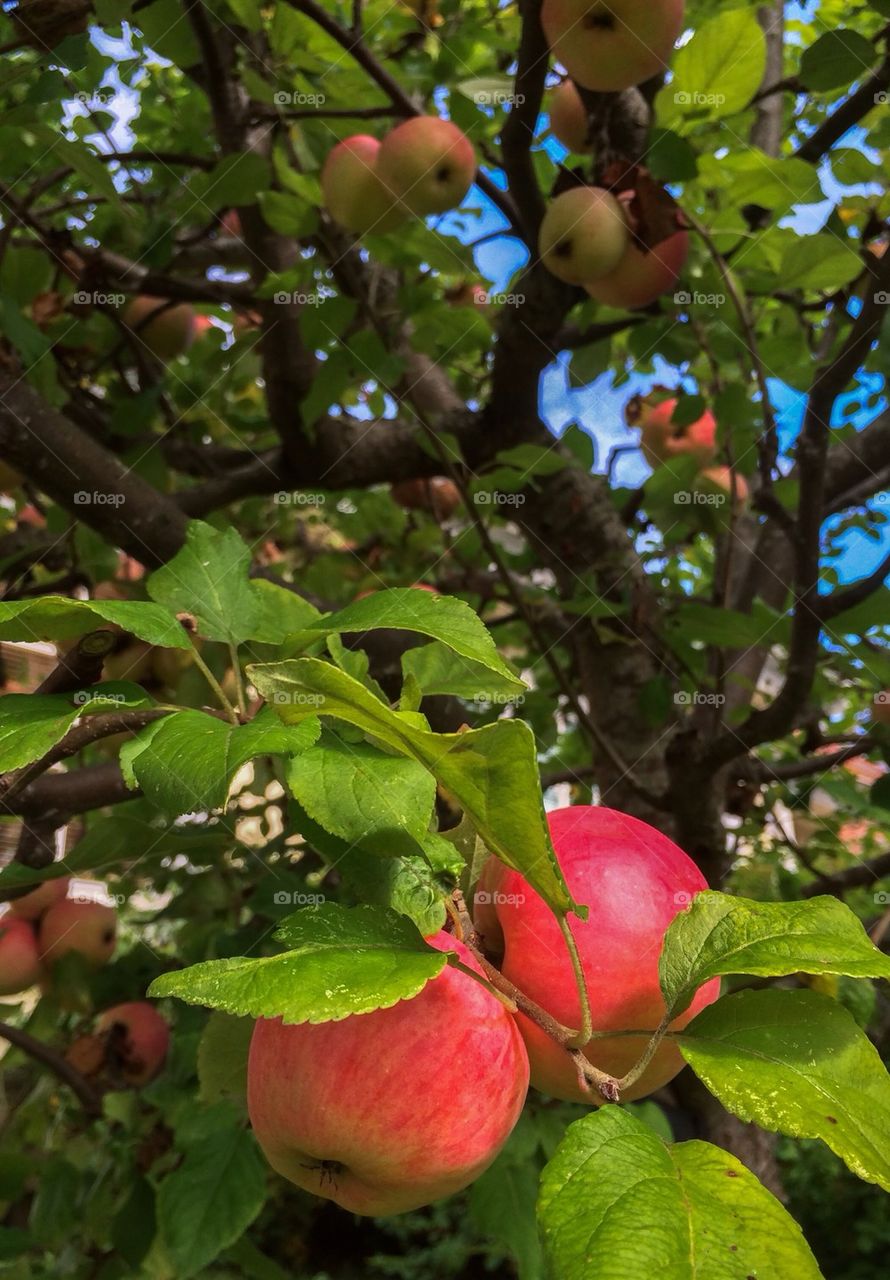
(633, 880)
(89, 928)
(167, 331)
(427, 165)
(353, 193)
(33, 905)
(384, 1112)
(583, 235)
(611, 45)
(661, 439)
(643, 274)
(136, 1040)
(20, 966)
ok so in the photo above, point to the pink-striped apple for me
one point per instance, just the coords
(89, 928)
(568, 117)
(384, 1112)
(353, 192)
(31, 906)
(642, 275)
(166, 331)
(634, 880)
(610, 45)
(19, 955)
(661, 439)
(427, 164)
(583, 235)
(137, 1038)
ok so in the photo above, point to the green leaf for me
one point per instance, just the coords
(208, 578)
(32, 723)
(362, 795)
(443, 618)
(718, 72)
(502, 1201)
(211, 1198)
(187, 761)
(168, 34)
(289, 215)
(57, 618)
(796, 1062)
(838, 58)
(819, 263)
(437, 669)
(616, 1201)
(279, 613)
(222, 1058)
(492, 771)
(123, 840)
(227, 182)
(719, 935)
(343, 960)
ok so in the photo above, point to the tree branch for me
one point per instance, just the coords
(88, 1097)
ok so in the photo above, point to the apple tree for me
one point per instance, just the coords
(446, 691)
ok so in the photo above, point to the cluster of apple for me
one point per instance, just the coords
(360, 1111)
(41, 927)
(423, 166)
(662, 440)
(587, 238)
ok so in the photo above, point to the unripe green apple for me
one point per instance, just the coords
(583, 235)
(89, 928)
(384, 1112)
(610, 45)
(169, 334)
(661, 439)
(642, 275)
(353, 193)
(19, 955)
(634, 880)
(427, 164)
(137, 1037)
(32, 905)
(568, 117)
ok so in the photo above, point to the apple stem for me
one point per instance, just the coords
(239, 679)
(648, 1053)
(582, 1037)
(215, 685)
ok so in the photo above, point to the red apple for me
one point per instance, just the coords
(642, 275)
(33, 904)
(89, 928)
(427, 164)
(583, 235)
(438, 495)
(19, 955)
(169, 334)
(384, 1112)
(661, 440)
(353, 192)
(610, 45)
(634, 880)
(568, 117)
(137, 1039)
